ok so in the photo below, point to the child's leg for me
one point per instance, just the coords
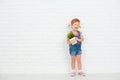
(79, 65)
(73, 59)
(79, 62)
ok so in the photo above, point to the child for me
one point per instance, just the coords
(74, 39)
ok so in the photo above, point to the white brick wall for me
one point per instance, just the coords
(33, 35)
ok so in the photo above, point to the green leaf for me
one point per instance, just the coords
(70, 35)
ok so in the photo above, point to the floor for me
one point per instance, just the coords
(59, 77)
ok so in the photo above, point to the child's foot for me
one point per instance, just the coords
(73, 74)
(81, 73)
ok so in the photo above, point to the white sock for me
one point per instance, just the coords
(80, 70)
(73, 70)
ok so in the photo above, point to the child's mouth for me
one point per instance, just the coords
(76, 28)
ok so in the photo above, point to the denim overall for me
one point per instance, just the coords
(76, 48)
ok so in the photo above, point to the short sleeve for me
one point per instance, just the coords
(81, 34)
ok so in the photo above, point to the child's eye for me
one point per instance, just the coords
(76, 24)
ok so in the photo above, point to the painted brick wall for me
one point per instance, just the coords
(33, 35)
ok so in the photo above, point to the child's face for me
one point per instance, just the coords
(75, 26)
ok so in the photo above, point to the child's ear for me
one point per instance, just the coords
(69, 25)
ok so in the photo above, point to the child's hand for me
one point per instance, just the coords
(77, 39)
(73, 41)
(80, 39)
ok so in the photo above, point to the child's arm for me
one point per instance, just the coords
(80, 39)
